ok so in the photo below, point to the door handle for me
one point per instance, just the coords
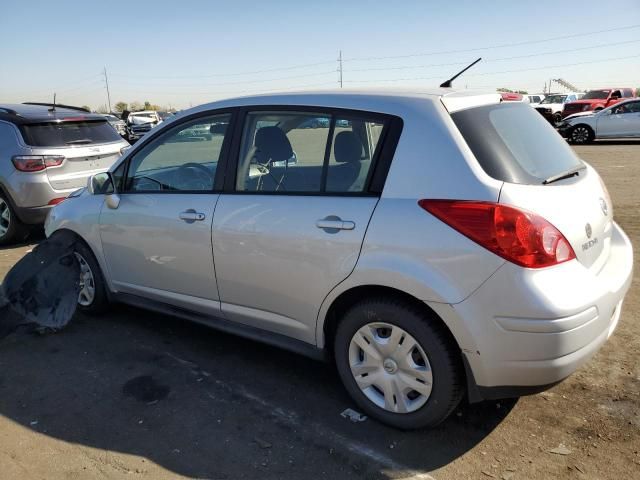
(191, 216)
(332, 224)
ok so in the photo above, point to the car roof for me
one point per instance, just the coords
(21, 113)
(143, 112)
(380, 100)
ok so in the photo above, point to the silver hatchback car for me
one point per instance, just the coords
(431, 244)
(46, 153)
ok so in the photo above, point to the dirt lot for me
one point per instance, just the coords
(137, 395)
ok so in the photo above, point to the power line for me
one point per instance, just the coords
(250, 72)
(237, 92)
(497, 73)
(237, 82)
(489, 60)
(504, 45)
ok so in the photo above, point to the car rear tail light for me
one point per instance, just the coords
(36, 163)
(56, 201)
(518, 236)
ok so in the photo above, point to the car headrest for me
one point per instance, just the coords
(218, 128)
(347, 148)
(273, 144)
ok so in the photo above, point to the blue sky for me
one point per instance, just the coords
(190, 52)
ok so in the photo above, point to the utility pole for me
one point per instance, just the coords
(106, 81)
(340, 67)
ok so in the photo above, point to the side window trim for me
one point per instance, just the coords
(376, 177)
(224, 154)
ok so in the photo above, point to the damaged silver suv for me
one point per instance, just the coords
(47, 152)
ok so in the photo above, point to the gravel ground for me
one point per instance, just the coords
(137, 395)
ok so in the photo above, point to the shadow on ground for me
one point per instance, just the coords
(201, 403)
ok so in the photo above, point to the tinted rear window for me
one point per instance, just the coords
(61, 134)
(514, 143)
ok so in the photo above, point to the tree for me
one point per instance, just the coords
(121, 107)
(86, 107)
(103, 109)
(135, 106)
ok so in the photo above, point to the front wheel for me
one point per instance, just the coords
(398, 364)
(92, 298)
(581, 134)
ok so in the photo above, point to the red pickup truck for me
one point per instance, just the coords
(597, 100)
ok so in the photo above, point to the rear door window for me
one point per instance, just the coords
(308, 152)
(513, 143)
(68, 133)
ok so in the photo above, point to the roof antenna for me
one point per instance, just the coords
(447, 84)
(53, 107)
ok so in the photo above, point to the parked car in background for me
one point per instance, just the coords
(422, 248)
(617, 121)
(597, 100)
(512, 97)
(553, 104)
(47, 152)
(534, 99)
(117, 123)
(140, 123)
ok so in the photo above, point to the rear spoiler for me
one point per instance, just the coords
(70, 107)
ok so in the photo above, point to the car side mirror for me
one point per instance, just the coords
(103, 184)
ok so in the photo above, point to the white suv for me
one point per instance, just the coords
(430, 243)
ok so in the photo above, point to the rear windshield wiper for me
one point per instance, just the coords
(81, 141)
(561, 176)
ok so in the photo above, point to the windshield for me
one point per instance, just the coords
(515, 144)
(554, 99)
(62, 134)
(596, 94)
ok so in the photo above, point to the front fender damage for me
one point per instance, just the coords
(42, 288)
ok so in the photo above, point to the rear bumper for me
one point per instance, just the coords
(33, 215)
(526, 330)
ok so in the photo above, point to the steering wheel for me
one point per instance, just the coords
(202, 174)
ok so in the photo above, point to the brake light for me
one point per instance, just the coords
(518, 236)
(36, 163)
(56, 201)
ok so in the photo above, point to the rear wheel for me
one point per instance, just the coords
(398, 364)
(581, 134)
(557, 117)
(92, 298)
(11, 228)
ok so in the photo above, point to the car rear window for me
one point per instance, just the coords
(61, 134)
(514, 143)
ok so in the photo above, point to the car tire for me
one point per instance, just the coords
(382, 385)
(557, 118)
(12, 230)
(581, 134)
(92, 299)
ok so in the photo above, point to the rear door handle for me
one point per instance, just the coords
(332, 224)
(191, 216)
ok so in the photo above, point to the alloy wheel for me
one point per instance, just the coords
(87, 283)
(580, 135)
(390, 367)
(5, 217)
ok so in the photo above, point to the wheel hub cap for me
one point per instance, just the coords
(87, 283)
(390, 367)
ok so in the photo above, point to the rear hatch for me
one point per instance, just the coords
(514, 144)
(88, 146)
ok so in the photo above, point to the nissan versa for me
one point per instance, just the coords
(430, 243)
